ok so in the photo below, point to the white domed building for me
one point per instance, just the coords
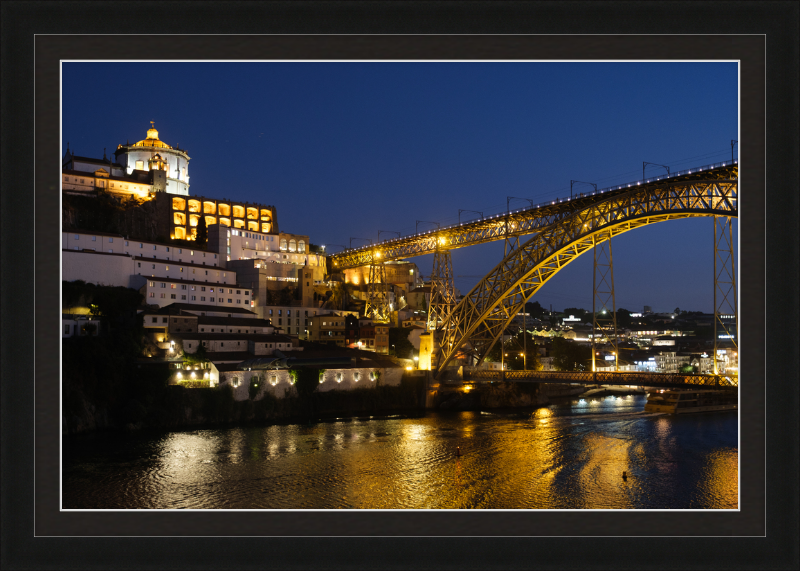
(154, 154)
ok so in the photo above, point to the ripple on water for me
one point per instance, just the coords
(557, 457)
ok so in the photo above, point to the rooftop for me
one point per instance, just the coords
(195, 308)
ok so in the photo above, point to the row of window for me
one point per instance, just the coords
(141, 246)
(202, 288)
(166, 268)
(194, 298)
(223, 209)
(102, 183)
(289, 313)
(257, 237)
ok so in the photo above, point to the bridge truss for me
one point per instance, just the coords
(486, 311)
(507, 226)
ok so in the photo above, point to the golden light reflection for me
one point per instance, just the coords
(719, 486)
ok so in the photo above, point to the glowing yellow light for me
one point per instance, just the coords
(408, 368)
(179, 376)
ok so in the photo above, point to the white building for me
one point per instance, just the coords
(118, 244)
(292, 320)
(163, 292)
(280, 384)
(153, 154)
(282, 248)
(79, 326)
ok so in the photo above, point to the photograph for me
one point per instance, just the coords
(426, 285)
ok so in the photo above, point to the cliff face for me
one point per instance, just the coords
(115, 215)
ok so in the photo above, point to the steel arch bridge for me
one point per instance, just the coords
(477, 322)
(510, 225)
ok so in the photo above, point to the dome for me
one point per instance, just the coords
(152, 139)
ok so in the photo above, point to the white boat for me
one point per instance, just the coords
(682, 401)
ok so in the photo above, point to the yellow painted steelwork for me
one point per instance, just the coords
(511, 225)
(484, 313)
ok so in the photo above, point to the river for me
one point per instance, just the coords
(569, 455)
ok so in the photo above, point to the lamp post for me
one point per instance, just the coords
(733, 144)
(572, 183)
(460, 210)
(416, 228)
(387, 231)
(366, 239)
(644, 164)
(510, 198)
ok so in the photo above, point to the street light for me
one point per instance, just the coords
(389, 231)
(572, 183)
(416, 228)
(644, 164)
(460, 210)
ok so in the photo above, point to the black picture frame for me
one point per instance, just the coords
(36, 535)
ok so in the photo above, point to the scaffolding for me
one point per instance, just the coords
(725, 314)
(604, 318)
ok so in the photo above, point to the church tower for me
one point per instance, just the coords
(154, 154)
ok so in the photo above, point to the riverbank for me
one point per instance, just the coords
(177, 408)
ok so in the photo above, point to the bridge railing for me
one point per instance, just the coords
(633, 378)
(692, 170)
(545, 203)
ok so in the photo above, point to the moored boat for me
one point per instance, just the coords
(682, 401)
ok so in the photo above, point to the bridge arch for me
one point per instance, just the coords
(484, 313)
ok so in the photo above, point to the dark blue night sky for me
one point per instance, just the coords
(347, 149)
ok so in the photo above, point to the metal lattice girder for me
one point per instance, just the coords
(486, 310)
(509, 225)
(724, 285)
(377, 307)
(604, 303)
(443, 291)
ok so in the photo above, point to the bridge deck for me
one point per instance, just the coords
(638, 379)
(517, 223)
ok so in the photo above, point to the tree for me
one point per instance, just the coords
(570, 356)
(341, 295)
(535, 309)
(202, 233)
(522, 353)
(306, 381)
(398, 336)
(623, 317)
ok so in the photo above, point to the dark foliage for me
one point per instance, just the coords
(398, 336)
(571, 356)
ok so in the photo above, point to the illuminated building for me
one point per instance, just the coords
(152, 170)
(153, 154)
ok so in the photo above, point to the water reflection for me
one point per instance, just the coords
(566, 456)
